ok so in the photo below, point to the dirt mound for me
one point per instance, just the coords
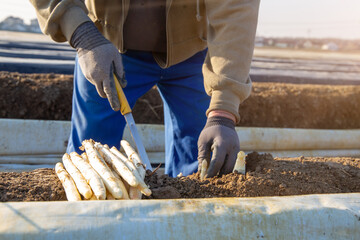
(265, 177)
(38, 185)
(35, 96)
(48, 97)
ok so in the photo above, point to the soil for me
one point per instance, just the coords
(48, 97)
(265, 176)
(38, 185)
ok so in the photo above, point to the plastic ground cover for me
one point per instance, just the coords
(328, 216)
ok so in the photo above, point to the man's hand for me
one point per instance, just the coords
(99, 60)
(220, 138)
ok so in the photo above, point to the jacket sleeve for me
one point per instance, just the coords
(230, 39)
(60, 18)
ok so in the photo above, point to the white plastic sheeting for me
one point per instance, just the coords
(299, 217)
(28, 144)
(21, 163)
(50, 137)
(23, 167)
(318, 217)
(274, 139)
(33, 136)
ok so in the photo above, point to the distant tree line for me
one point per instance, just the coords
(330, 44)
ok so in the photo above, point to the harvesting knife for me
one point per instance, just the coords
(126, 112)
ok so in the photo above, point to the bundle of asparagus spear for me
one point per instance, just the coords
(102, 173)
(238, 168)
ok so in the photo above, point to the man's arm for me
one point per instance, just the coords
(99, 59)
(231, 36)
(59, 19)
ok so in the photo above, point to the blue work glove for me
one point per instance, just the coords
(219, 138)
(99, 60)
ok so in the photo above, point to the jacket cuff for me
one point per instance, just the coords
(225, 100)
(73, 17)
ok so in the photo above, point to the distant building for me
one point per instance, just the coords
(259, 42)
(308, 44)
(18, 25)
(281, 45)
(34, 26)
(269, 42)
(330, 46)
(13, 24)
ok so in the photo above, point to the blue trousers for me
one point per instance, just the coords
(185, 102)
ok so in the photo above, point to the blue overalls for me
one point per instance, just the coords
(185, 102)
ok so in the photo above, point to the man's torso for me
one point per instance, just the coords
(145, 26)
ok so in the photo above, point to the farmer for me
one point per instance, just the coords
(197, 53)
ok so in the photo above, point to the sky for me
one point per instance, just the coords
(277, 18)
(310, 18)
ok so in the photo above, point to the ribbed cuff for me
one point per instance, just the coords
(87, 37)
(225, 100)
(222, 121)
(72, 18)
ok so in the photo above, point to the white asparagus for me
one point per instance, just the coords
(127, 186)
(84, 156)
(130, 165)
(240, 163)
(71, 191)
(134, 157)
(118, 165)
(91, 176)
(145, 191)
(124, 186)
(109, 196)
(93, 197)
(204, 167)
(116, 174)
(140, 167)
(134, 194)
(80, 182)
(98, 163)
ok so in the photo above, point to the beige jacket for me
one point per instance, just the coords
(226, 27)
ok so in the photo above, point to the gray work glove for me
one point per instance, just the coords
(220, 138)
(99, 60)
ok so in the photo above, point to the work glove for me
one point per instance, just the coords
(99, 60)
(219, 138)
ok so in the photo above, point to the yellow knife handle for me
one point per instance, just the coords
(124, 105)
